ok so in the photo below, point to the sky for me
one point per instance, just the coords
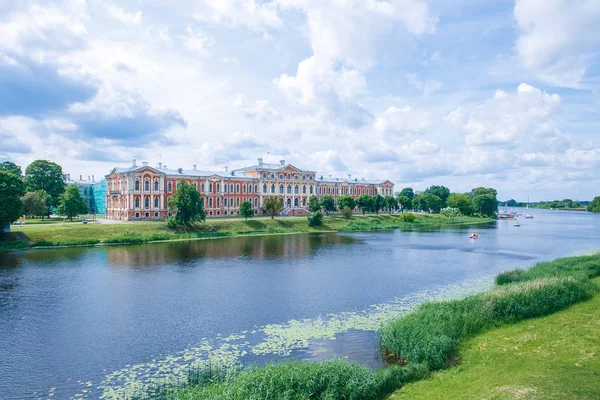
(461, 93)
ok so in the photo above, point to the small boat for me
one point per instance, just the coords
(529, 216)
(517, 224)
(474, 236)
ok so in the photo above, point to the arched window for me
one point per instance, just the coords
(237, 188)
(289, 189)
(304, 189)
(273, 188)
(281, 189)
(210, 202)
(169, 186)
(264, 175)
(137, 185)
(156, 202)
(146, 185)
(155, 214)
(296, 202)
(255, 188)
(288, 176)
(137, 202)
(202, 188)
(147, 202)
(265, 188)
(210, 187)
(249, 188)
(244, 189)
(218, 187)
(237, 201)
(156, 185)
(311, 190)
(231, 188)
(218, 202)
(303, 202)
(225, 202)
(280, 176)
(296, 191)
(231, 202)
(272, 176)
(255, 202)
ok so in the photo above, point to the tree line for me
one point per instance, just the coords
(37, 192)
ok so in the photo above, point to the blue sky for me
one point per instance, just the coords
(464, 93)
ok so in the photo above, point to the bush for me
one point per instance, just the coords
(450, 212)
(408, 217)
(347, 212)
(171, 223)
(315, 219)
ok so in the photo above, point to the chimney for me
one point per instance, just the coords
(159, 165)
(145, 163)
(165, 166)
(226, 168)
(80, 177)
(89, 178)
(133, 163)
(92, 178)
(282, 162)
(349, 177)
(194, 167)
(260, 161)
(180, 170)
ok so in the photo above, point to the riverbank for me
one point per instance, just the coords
(431, 339)
(93, 234)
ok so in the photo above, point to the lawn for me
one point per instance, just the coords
(553, 357)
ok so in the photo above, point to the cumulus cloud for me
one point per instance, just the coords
(259, 109)
(256, 15)
(12, 144)
(196, 41)
(558, 39)
(402, 121)
(427, 86)
(508, 118)
(132, 18)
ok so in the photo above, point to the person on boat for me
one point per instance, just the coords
(474, 235)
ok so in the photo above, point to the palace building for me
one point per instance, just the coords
(141, 191)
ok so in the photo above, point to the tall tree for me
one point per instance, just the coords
(462, 201)
(314, 204)
(187, 204)
(427, 201)
(404, 202)
(485, 204)
(440, 191)
(594, 205)
(365, 203)
(273, 205)
(70, 203)
(11, 190)
(390, 203)
(246, 210)
(408, 192)
(47, 176)
(34, 203)
(328, 204)
(483, 190)
(346, 201)
(378, 203)
(11, 167)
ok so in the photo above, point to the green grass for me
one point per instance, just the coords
(143, 232)
(555, 357)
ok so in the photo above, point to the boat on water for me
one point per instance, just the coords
(529, 216)
(474, 235)
(517, 224)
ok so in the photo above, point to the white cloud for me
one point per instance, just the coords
(427, 86)
(402, 121)
(256, 15)
(558, 38)
(260, 109)
(197, 42)
(509, 118)
(132, 18)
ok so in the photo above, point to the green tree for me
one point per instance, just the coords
(483, 190)
(485, 204)
(347, 212)
(11, 167)
(47, 176)
(390, 203)
(328, 204)
(346, 201)
(314, 204)
(462, 201)
(440, 191)
(11, 190)
(315, 219)
(378, 203)
(408, 192)
(246, 210)
(404, 202)
(186, 204)
(34, 203)
(427, 201)
(273, 205)
(594, 205)
(70, 203)
(366, 203)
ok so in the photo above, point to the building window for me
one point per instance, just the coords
(210, 202)
(296, 177)
(303, 177)
(237, 201)
(280, 176)
(218, 212)
(147, 202)
(156, 186)
(288, 176)
(231, 188)
(272, 176)
(304, 189)
(137, 215)
(137, 202)
(303, 202)
(237, 188)
(296, 189)
(218, 202)
(265, 188)
(310, 178)
(225, 202)
(255, 202)
(155, 214)
(156, 202)
(210, 213)
(146, 185)
(137, 185)
(255, 188)
(289, 189)
(202, 188)
(281, 189)
(218, 187)
(273, 188)
(231, 202)
(210, 187)
(244, 189)
(249, 188)
(311, 190)
(264, 175)
(169, 186)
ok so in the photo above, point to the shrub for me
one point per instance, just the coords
(171, 223)
(315, 219)
(408, 217)
(450, 212)
(347, 212)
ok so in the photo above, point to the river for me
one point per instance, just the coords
(92, 322)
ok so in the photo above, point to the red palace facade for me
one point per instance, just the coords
(141, 192)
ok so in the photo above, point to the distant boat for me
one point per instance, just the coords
(529, 216)
(474, 236)
(517, 223)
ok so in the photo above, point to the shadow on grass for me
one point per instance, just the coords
(257, 225)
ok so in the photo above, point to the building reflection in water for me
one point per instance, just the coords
(252, 247)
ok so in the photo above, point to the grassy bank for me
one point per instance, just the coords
(429, 340)
(142, 232)
(554, 357)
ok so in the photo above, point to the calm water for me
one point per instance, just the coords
(70, 317)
